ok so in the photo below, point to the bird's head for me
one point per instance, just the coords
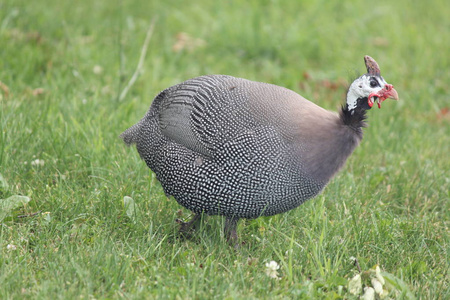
(369, 87)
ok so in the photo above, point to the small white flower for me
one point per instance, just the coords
(369, 293)
(38, 162)
(97, 69)
(377, 286)
(355, 285)
(271, 269)
(378, 275)
(46, 216)
(11, 247)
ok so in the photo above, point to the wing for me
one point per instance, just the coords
(205, 112)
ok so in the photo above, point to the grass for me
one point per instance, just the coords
(63, 67)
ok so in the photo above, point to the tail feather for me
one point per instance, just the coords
(131, 135)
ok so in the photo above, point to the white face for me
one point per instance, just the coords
(363, 87)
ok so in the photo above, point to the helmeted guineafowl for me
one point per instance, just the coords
(228, 146)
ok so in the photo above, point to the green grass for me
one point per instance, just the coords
(389, 206)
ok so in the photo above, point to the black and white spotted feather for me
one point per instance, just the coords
(228, 146)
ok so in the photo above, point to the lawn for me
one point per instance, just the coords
(81, 216)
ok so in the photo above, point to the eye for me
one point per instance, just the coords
(373, 83)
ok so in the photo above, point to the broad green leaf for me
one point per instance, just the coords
(130, 207)
(399, 285)
(9, 204)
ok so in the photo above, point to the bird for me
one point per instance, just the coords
(242, 149)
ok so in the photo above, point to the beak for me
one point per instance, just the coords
(387, 92)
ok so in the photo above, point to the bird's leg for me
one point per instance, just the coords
(230, 231)
(187, 227)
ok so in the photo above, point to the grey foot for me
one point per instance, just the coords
(186, 228)
(230, 231)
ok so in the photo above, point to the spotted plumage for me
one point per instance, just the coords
(228, 146)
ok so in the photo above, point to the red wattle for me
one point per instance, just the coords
(369, 100)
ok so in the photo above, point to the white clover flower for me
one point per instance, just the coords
(369, 294)
(377, 286)
(97, 69)
(11, 247)
(46, 216)
(271, 269)
(378, 275)
(355, 285)
(38, 162)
